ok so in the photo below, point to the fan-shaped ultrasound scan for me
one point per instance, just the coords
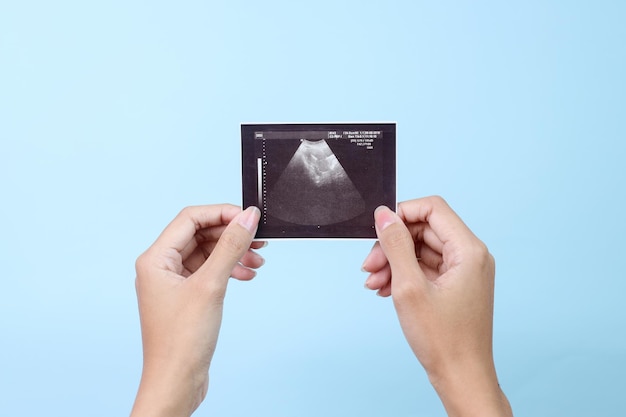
(314, 189)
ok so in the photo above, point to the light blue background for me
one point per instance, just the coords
(114, 115)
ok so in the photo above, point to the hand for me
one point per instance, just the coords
(181, 283)
(441, 279)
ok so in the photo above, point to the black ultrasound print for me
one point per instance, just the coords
(318, 180)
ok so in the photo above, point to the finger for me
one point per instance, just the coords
(396, 241)
(385, 291)
(445, 224)
(423, 234)
(243, 273)
(211, 233)
(379, 279)
(197, 258)
(230, 248)
(431, 274)
(430, 258)
(251, 259)
(375, 260)
(206, 238)
(399, 247)
(183, 228)
(258, 244)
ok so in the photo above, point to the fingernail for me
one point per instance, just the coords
(367, 282)
(367, 258)
(384, 217)
(249, 218)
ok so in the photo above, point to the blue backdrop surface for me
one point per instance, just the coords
(114, 115)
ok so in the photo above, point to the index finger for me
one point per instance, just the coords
(444, 223)
(183, 228)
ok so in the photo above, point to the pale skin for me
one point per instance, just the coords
(439, 275)
(181, 283)
(441, 279)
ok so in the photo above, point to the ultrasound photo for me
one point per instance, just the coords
(318, 180)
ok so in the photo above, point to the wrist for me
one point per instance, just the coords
(471, 390)
(159, 395)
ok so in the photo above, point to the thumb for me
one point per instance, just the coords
(398, 246)
(229, 249)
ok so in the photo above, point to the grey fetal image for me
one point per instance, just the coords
(314, 189)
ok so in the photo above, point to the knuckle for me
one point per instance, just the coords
(490, 262)
(142, 262)
(406, 293)
(437, 199)
(185, 210)
(141, 265)
(188, 213)
(483, 258)
(213, 290)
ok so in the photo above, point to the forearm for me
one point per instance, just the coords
(471, 391)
